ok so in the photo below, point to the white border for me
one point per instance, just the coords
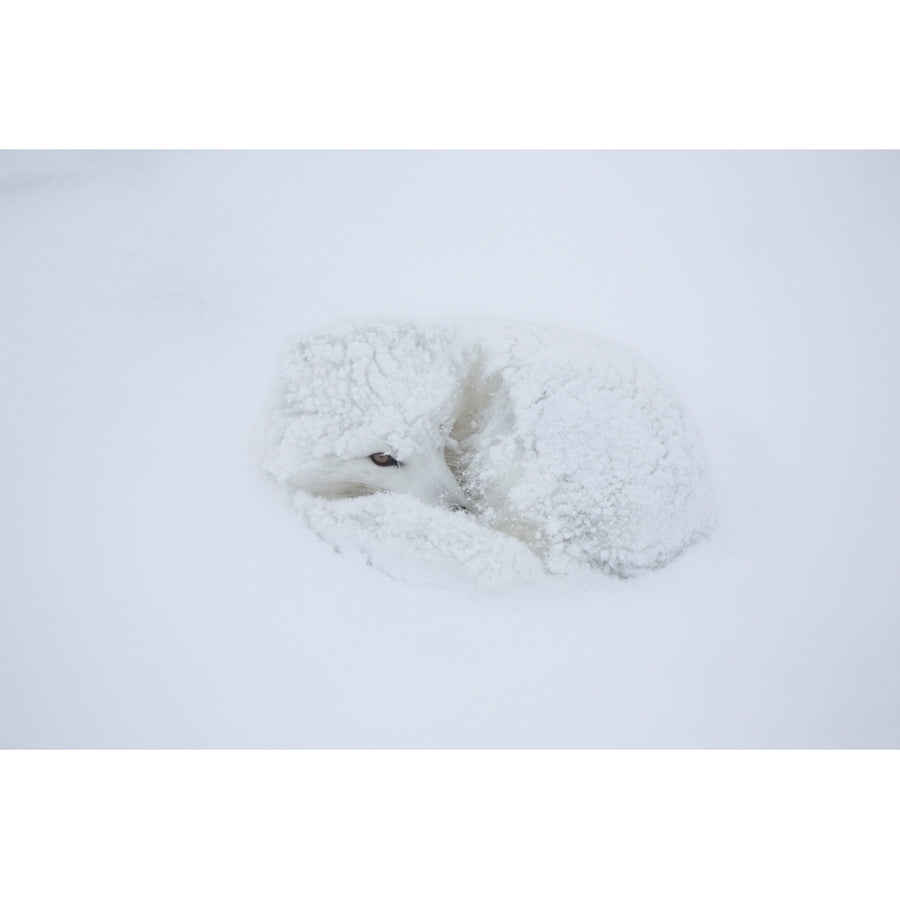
(449, 824)
(476, 73)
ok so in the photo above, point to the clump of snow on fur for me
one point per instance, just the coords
(594, 461)
(569, 450)
(386, 387)
(418, 543)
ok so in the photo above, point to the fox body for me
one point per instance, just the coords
(571, 445)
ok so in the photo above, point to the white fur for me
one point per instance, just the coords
(424, 474)
(573, 446)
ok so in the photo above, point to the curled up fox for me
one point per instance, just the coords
(572, 445)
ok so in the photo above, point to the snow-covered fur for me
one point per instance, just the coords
(573, 446)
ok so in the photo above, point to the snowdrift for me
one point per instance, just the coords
(159, 588)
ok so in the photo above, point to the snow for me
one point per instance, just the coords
(158, 588)
(353, 390)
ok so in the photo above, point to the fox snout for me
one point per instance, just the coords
(425, 475)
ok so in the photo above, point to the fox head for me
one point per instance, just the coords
(424, 474)
(369, 408)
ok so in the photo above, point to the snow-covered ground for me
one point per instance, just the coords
(158, 589)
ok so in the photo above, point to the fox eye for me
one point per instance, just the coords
(383, 459)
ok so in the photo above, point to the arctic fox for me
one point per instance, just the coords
(571, 445)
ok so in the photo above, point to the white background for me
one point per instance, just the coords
(160, 593)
